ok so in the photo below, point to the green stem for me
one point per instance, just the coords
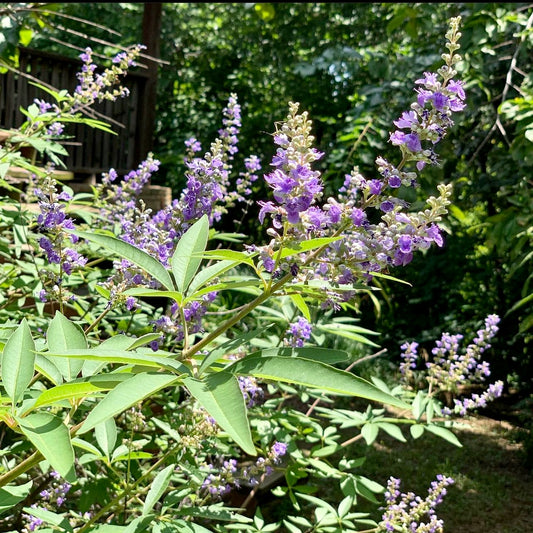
(118, 498)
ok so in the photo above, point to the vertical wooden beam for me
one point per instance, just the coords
(151, 29)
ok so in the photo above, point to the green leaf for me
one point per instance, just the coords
(79, 389)
(416, 430)
(184, 263)
(48, 369)
(307, 246)
(18, 360)
(348, 331)
(157, 488)
(64, 335)
(370, 432)
(131, 253)
(122, 356)
(445, 434)
(146, 292)
(312, 374)
(125, 395)
(11, 495)
(207, 274)
(49, 517)
(229, 255)
(313, 353)
(139, 525)
(51, 437)
(299, 302)
(393, 430)
(221, 397)
(106, 436)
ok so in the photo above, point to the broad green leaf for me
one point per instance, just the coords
(131, 253)
(183, 262)
(221, 397)
(18, 360)
(445, 434)
(51, 437)
(65, 335)
(48, 369)
(307, 246)
(11, 495)
(79, 389)
(125, 395)
(92, 367)
(393, 430)
(312, 374)
(157, 488)
(416, 430)
(370, 432)
(207, 274)
(106, 436)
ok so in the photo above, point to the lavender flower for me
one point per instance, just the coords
(299, 332)
(408, 512)
(53, 220)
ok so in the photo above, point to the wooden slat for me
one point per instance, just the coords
(98, 151)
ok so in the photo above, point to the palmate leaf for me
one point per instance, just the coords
(185, 260)
(312, 374)
(220, 395)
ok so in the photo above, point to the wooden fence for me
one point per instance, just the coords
(91, 151)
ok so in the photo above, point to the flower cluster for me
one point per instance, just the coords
(251, 390)
(298, 332)
(93, 87)
(409, 512)
(219, 480)
(451, 369)
(53, 221)
(438, 97)
(184, 320)
(373, 228)
(51, 498)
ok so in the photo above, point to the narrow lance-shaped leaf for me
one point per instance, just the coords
(312, 374)
(184, 262)
(18, 362)
(157, 488)
(131, 253)
(11, 495)
(221, 397)
(125, 395)
(65, 335)
(51, 437)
